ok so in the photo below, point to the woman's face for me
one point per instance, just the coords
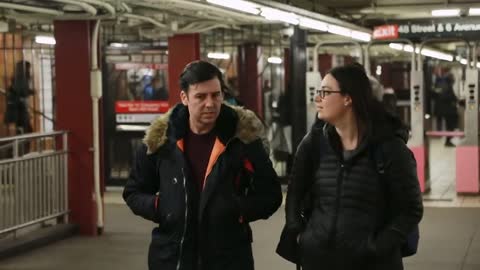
(329, 102)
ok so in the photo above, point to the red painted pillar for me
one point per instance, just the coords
(74, 114)
(249, 81)
(182, 49)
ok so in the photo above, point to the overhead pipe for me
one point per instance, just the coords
(146, 19)
(189, 26)
(204, 29)
(126, 8)
(96, 93)
(32, 9)
(88, 8)
(194, 6)
(82, 17)
(102, 4)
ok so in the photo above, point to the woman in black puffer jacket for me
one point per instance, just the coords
(357, 218)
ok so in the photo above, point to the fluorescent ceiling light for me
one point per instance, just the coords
(274, 60)
(437, 54)
(218, 55)
(45, 40)
(396, 46)
(361, 36)
(131, 128)
(474, 11)
(241, 5)
(118, 45)
(117, 58)
(313, 24)
(378, 71)
(273, 14)
(464, 61)
(425, 52)
(409, 48)
(334, 29)
(445, 12)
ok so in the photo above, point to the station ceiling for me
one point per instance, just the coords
(157, 19)
(374, 12)
(198, 15)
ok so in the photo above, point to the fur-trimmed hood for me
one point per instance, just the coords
(233, 121)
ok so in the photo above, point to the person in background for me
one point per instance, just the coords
(17, 109)
(389, 100)
(446, 104)
(123, 91)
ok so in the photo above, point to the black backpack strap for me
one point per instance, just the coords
(377, 155)
(378, 159)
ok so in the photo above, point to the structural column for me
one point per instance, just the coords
(468, 152)
(182, 49)
(298, 62)
(249, 81)
(74, 114)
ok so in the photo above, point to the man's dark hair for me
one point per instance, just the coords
(200, 71)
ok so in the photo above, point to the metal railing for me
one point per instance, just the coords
(34, 180)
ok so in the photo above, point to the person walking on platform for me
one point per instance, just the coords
(447, 104)
(202, 174)
(354, 198)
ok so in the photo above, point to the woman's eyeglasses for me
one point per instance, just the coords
(323, 93)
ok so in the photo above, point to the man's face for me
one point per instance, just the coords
(204, 101)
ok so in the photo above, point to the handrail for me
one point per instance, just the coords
(32, 136)
(41, 170)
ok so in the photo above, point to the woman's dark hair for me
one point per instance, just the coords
(200, 71)
(353, 81)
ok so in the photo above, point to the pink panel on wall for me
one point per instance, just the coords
(467, 175)
(420, 156)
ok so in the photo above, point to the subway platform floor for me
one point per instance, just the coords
(450, 240)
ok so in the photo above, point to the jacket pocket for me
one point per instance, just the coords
(163, 250)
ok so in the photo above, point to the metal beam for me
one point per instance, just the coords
(314, 15)
(32, 9)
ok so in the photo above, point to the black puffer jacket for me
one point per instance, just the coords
(356, 221)
(210, 230)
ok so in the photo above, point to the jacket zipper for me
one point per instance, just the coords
(179, 263)
(199, 225)
(337, 204)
